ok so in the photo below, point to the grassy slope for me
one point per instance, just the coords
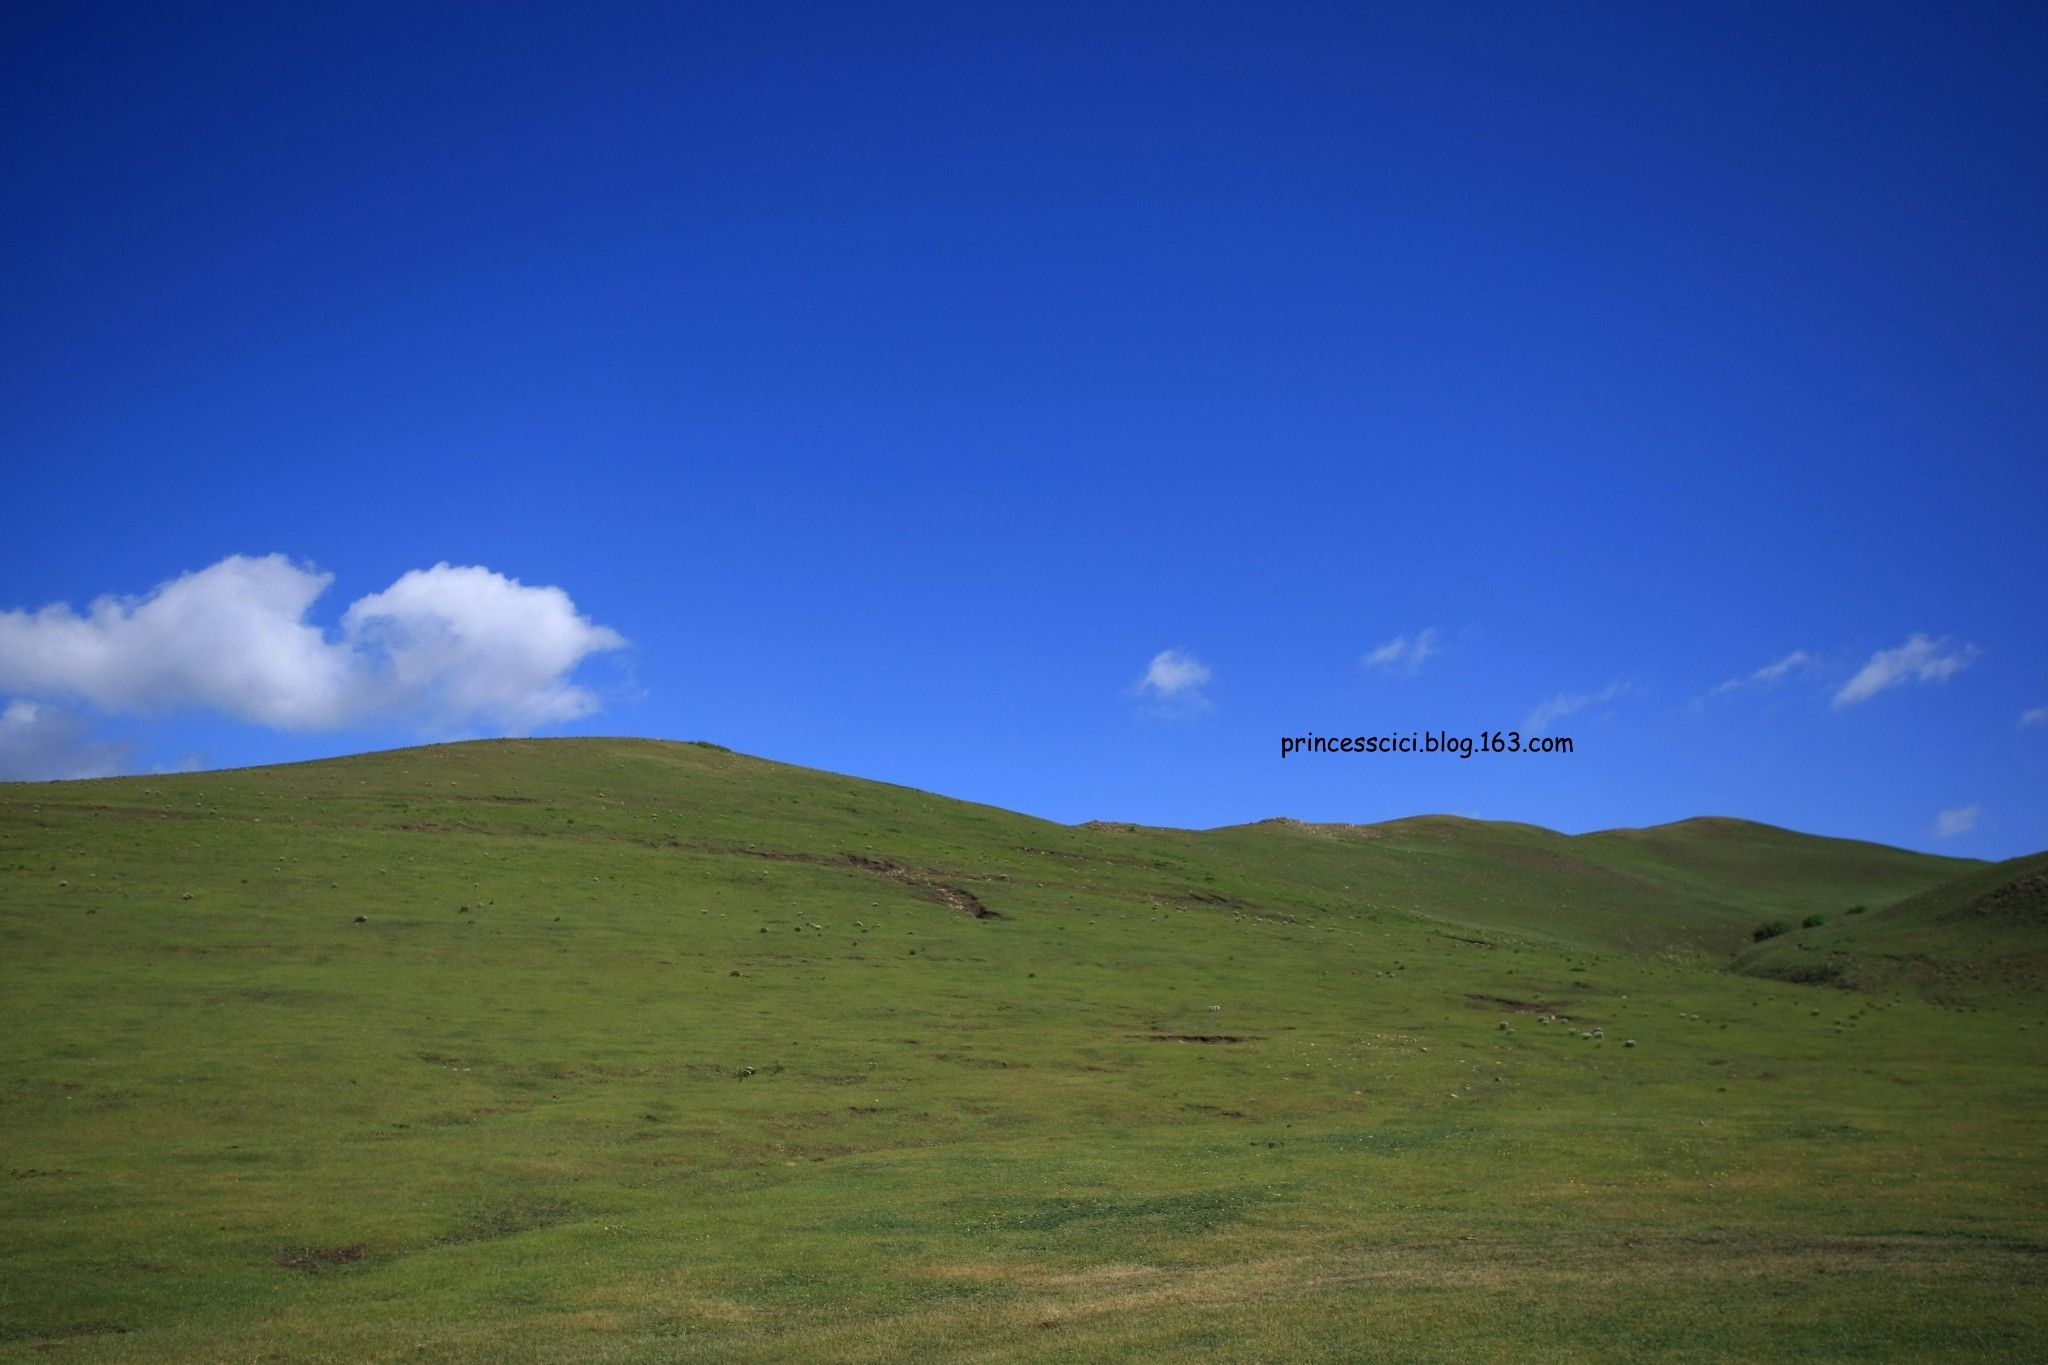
(1699, 886)
(630, 1062)
(1980, 935)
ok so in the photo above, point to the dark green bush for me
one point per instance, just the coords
(1813, 921)
(1769, 929)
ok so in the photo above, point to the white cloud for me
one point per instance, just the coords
(1568, 703)
(229, 638)
(1175, 678)
(1961, 820)
(2037, 715)
(40, 743)
(1404, 655)
(1920, 659)
(1775, 671)
(441, 647)
(462, 643)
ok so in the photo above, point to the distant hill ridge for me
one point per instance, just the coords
(1697, 885)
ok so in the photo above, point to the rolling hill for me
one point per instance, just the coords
(1699, 886)
(624, 1050)
(1978, 935)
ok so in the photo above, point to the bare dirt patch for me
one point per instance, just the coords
(1328, 831)
(966, 902)
(313, 1260)
(1502, 1002)
(1219, 1112)
(510, 1218)
(953, 897)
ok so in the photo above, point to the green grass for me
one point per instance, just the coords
(631, 1059)
(1975, 938)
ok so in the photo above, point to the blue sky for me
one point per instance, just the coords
(888, 389)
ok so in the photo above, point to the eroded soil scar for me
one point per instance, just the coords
(966, 902)
(313, 1260)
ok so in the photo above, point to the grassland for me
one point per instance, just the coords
(1981, 938)
(621, 1051)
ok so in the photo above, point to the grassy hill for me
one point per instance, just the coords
(616, 1050)
(1696, 887)
(1980, 935)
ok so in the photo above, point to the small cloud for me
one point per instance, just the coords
(2034, 716)
(1775, 671)
(1961, 820)
(1403, 654)
(40, 743)
(1175, 679)
(1920, 659)
(1568, 703)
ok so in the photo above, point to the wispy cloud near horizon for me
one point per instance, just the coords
(41, 743)
(1775, 671)
(1950, 823)
(1404, 654)
(1570, 703)
(1920, 659)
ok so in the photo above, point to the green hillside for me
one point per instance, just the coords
(1980, 935)
(619, 1050)
(1699, 886)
